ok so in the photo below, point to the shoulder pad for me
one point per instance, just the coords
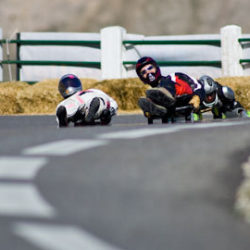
(228, 93)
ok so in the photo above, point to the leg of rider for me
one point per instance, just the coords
(161, 96)
(61, 116)
(150, 109)
(105, 117)
(93, 109)
(239, 110)
(217, 113)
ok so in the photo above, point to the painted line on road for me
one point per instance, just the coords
(55, 237)
(64, 147)
(20, 167)
(139, 133)
(23, 200)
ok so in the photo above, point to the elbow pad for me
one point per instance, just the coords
(228, 93)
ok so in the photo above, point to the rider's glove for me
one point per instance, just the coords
(112, 111)
(195, 101)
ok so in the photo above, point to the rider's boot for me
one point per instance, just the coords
(161, 96)
(150, 109)
(93, 108)
(61, 117)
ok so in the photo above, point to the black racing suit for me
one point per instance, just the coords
(224, 103)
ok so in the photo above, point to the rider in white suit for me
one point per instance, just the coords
(83, 107)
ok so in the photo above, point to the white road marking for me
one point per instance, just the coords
(54, 237)
(138, 133)
(23, 200)
(20, 167)
(64, 147)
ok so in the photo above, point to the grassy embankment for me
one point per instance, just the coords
(43, 97)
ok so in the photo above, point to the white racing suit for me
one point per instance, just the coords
(78, 105)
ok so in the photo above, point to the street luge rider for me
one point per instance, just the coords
(167, 92)
(220, 99)
(83, 107)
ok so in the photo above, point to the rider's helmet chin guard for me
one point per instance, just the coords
(210, 87)
(152, 78)
(211, 100)
(68, 85)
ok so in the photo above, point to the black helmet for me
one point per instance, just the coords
(156, 76)
(68, 85)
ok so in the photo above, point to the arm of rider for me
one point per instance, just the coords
(113, 106)
(195, 101)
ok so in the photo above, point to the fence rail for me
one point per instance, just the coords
(92, 43)
(54, 63)
(173, 42)
(19, 63)
(182, 63)
(113, 41)
(242, 40)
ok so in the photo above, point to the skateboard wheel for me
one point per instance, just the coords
(150, 121)
(164, 120)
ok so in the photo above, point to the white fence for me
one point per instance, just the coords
(228, 53)
(57, 53)
(113, 52)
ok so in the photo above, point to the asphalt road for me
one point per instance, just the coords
(128, 186)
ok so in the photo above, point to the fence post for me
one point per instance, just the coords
(231, 51)
(112, 52)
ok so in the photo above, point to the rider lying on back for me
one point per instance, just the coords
(167, 92)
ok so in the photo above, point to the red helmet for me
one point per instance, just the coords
(157, 75)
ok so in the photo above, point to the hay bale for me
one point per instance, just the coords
(8, 97)
(126, 92)
(241, 86)
(43, 97)
(39, 98)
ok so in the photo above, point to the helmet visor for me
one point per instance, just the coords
(209, 98)
(69, 85)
